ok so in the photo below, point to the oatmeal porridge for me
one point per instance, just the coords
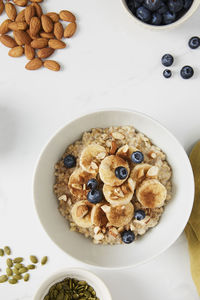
(112, 185)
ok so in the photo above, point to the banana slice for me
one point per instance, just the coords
(81, 213)
(142, 171)
(77, 183)
(98, 216)
(126, 151)
(119, 215)
(107, 170)
(119, 195)
(151, 193)
(91, 158)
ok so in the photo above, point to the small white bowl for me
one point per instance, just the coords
(154, 242)
(98, 285)
(184, 18)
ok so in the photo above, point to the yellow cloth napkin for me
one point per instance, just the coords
(192, 229)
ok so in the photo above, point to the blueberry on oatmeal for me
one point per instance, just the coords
(128, 236)
(139, 214)
(92, 184)
(70, 161)
(121, 172)
(137, 157)
(95, 196)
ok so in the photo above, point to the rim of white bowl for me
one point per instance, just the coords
(59, 275)
(191, 176)
(184, 18)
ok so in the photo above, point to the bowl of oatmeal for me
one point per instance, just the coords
(110, 188)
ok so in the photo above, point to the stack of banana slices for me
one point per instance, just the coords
(117, 206)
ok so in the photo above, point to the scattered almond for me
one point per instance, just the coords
(34, 64)
(38, 9)
(56, 44)
(33, 37)
(39, 43)
(1, 6)
(21, 16)
(10, 11)
(58, 30)
(16, 51)
(4, 26)
(29, 13)
(35, 26)
(17, 26)
(47, 35)
(70, 30)
(47, 23)
(8, 41)
(21, 37)
(21, 2)
(66, 15)
(29, 52)
(53, 16)
(45, 52)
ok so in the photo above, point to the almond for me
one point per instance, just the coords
(47, 35)
(21, 37)
(33, 37)
(39, 43)
(45, 52)
(47, 23)
(38, 9)
(10, 11)
(29, 13)
(36, 1)
(35, 26)
(58, 30)
(16, 51)
(70, 30)
(34, 64)
(29, 52)
(21, 2)
(1, 6)
(4, 26)
(8, 41)
(56, 44)
(17, 26)
(66, 15)
(21, 16)
(52, 65)
(53, 16)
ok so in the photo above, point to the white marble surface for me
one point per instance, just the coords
(111, 62)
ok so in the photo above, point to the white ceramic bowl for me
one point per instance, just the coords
(156, 240)
(99, 286)
(184, 18)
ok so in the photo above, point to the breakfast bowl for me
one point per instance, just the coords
(156, 240)
(162, 17)
(91, 279)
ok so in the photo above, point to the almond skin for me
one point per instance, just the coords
(33, 37)
(47, 24)
(8, 41)
(21, 16)
(66, 15)
(39, 43)
(34, 64)
(16, 51)
(1, 6)
(10, 11)
(29, 13)
(58, 30)
(47, 35)
(4, 26)
(35, 26)
(21, 2)
(29, 52)
(53, 16)
(56, 44)
(70, 30)
(52, 65)
(21, 37)
(45, 52)
(38, 9)
(18, 26)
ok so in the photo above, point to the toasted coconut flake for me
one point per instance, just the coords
(63, 197)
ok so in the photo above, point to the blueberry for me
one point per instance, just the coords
(175, 5)
(70, 161)
(128, 236)
(95, 196)
(137, 157)
(167, 60)
(139, 215)
(187, 4)
(194, 42)
(163, 8)
(92, 184)
(187, 72)
(152, 5)
(167, 73)
(143, 14)
(121, 173)
(133, 4)
(156, 18)
(169, 17)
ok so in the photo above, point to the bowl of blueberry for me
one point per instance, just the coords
(159, 14)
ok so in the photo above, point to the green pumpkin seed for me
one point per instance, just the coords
(26, 277)
(7, 250)
(9, 271)
(9, 262)
(1, 252)
(18, 277)
(18, 266)
(33, 259)
(23, 270)
(31, 267)
(13, 281)
(3, 278)
(44, 260)
(18, 260)
(16, 271)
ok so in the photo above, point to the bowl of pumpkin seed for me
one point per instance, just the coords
(73, 284)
